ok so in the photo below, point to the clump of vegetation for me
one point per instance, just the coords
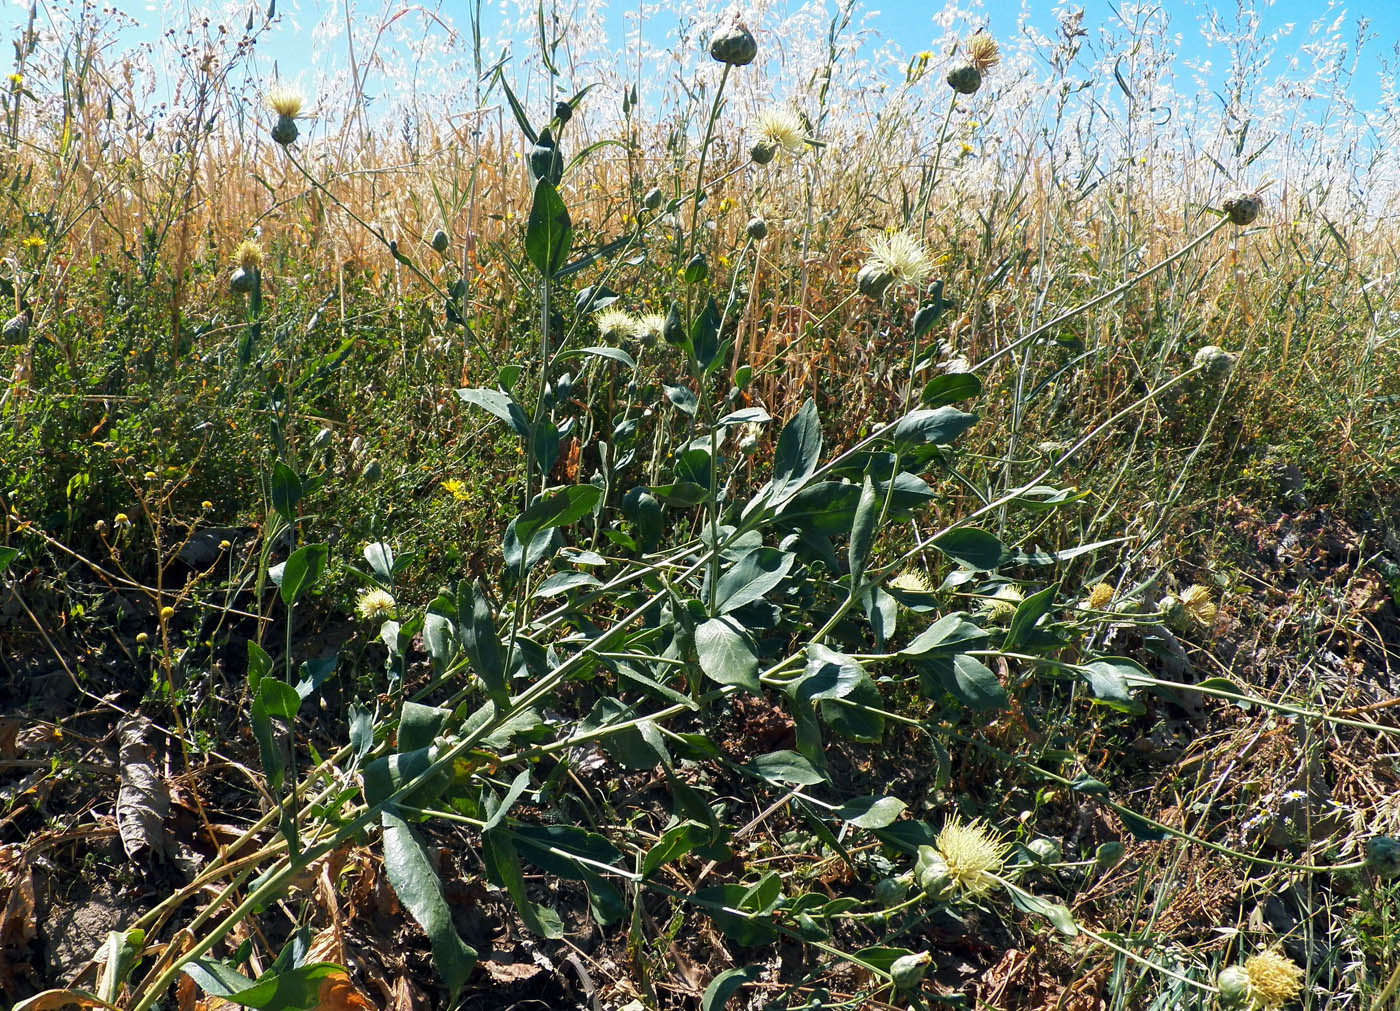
(792, 574)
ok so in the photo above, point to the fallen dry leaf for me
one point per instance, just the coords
(142, 800)
(63, 1000)
(510, 972)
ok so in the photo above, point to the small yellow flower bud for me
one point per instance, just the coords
(141, 638)
(206, 505)
(167, 612)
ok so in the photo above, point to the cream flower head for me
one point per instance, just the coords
(982, 52)
(1200, 608)
(285, 100)
(902, 256)
(375, 604)
(615, 325)
(1274, 980)
(249, 255)
(1100, 596)
(781, 127)
(974, 855)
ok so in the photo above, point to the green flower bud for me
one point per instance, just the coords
(891, 891)
(907, 971)
(241, 281)
(371, 472)
(1383, 855)
(440, 241)
(1047, 851)
(1233, 983)
(696, 270)
(285, 131)
(1108, 853)
(873, 279)
(674, 330)
(652, 200)
(734, 45)
(563, 112)
(931, 872)
(965, 80)
(763, 151)
(757, 229)
(546, 161)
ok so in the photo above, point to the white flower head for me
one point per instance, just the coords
(615, 325)
(781, 127)
(902, 256)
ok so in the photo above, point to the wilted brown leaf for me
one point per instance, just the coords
(142, 800)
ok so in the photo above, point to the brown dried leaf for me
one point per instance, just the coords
(510, 972)
(63, 1000)
(143, 800)
(17, 923)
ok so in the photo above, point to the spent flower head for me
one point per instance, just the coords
(1002, 604)
(902, 257)
(781, 127)
(649, 328)
(1274, 980)
(1200, 608)
(974, 854)
(375, 604)
(1100, 596)
(982, 52)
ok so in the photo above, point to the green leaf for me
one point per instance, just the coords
(1028, 612)
(416, 884)
(704, 334)
(286, 491)
(850, 715)
(723, 905)
(727, 654)
(971, 548)
(799, 448)
(614, 354)
(871, 812)
(557, 508)
(786, 768)
(752, 577)
(7, 555)
(380, 558)
(634, 747)
(501, 405)
(828, 675)
(515, 107)
(952, 633)
(949, 389)
(1112, 679)
(675, 842)
(682, 398)
(936, 427)
(965, 678)
(880, 956)
(296, 989)
(503, 868)
(1059, 916)
(862, 531)
(301, 570)
(725, 985)
(550, 231)
(477, 629)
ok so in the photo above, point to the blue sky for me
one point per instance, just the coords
(906, 21)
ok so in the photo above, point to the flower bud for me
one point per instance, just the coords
(100, 526)
(891, 891)
(734, 45)
(167, 612)
(440, 241)
(546, 161)
(285, 131)
(1233, 983)
(652, 200)
(1047, 851)
(757, 229)
(873, 279)
(965, 80)
(674, 330)
(563, 112)
(1383, 856)
(241, 281)
(141, 638)
(1243, 208)
(763, 151)
(931, 872)
(371, 471)
(907, 971)
(1214, 361)
(696, 270)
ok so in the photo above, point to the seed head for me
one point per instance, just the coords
(284, 100)
(249, 255)
(1214, 362)
(375, 604)
(1274, 980)
(973, 854)
(780, 128)
(982, 52)
(901, 256)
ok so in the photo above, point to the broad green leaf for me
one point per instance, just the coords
(949, 389)
(965, 678)
(380, 558)
(1059, 916)
(726, 985)
(563, 582)
(1028, 612)
(440, 639)
(936, 427)
(786, 768)
(301, 570)
(862, 531)
(952, 633)
(503, 868)
(871, 812)
(682, 398)
(727, 654)
(881, 956)
(570, 852)
(851, 715)
(477, 630)
(971, 548)
(416, 884)
(613, 354)
(704, 334)
(550, 231)
(296, 989)
(745, 416)
(799, 449)
(631, 747)
(752, 577)
(556, 508)
(828, 675)
(502, 405)
(675, 842)
(1112, 679)
(7, 555)
(286, 491)
(722, 904)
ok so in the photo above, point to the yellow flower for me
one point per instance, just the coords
(373, 604)
(781, 127)
(1100, 596)
(167, 612)
(456, 489)
(34, 242)
(1274, 980)
(141, 638)
(973, 854)
(1199, 606)
(206, 505)
(249, 255)
(285, 101)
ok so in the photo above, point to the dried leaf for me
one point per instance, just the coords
(143, 800)
(17, 923)
(510, 972)
(62, 1000)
